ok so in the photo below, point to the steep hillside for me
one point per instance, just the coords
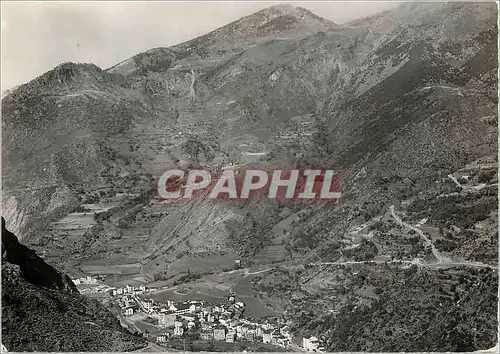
(43, 311)
(386, 307)
(78, 134)
(391, 138)
(56, 132)
(402, 103)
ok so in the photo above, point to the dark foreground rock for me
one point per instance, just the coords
(43, 311)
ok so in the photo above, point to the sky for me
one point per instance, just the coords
(39, 35)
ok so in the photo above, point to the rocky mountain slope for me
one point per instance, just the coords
(43, 311)
(402, 103)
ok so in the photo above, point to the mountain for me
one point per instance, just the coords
(275, 22)
(7, 91)
(402, 103)
(55, 147)
(43, 310)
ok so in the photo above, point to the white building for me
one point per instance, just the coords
(258, 331)
(218, 309)
(148, 304)
(286, 332)
(162, 338)
(172, 307)
(310, 344)
(178, 331)
(230, 336)
(89, 280)
(239, 331)
(267, 336)
(267, 326)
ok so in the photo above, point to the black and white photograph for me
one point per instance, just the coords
(249, 176)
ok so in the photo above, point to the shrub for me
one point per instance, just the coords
(486, 176)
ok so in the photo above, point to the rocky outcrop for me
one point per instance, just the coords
(43, 311)
(33, 268)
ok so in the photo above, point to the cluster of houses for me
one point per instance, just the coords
(130, 290)
(91, 284)
(88, 280)
(210, 322)
(214, 326)
(128, 304)
(214, 322)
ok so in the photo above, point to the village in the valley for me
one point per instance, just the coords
(182, 322)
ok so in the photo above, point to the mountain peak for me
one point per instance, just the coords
(280, 9)
(291, 10)
(282, 19)
(300, 13)
(63, 74)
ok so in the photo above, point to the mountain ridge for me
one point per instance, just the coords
(398, 102)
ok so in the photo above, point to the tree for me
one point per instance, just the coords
(321, 139)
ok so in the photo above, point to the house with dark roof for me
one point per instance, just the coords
(183, 308)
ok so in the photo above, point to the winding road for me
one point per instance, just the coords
(427, 241)
(364, 262)
(441, 261)
(468, 188)
(247, 273)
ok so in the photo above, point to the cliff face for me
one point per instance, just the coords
(33, 268)
(42, 310)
